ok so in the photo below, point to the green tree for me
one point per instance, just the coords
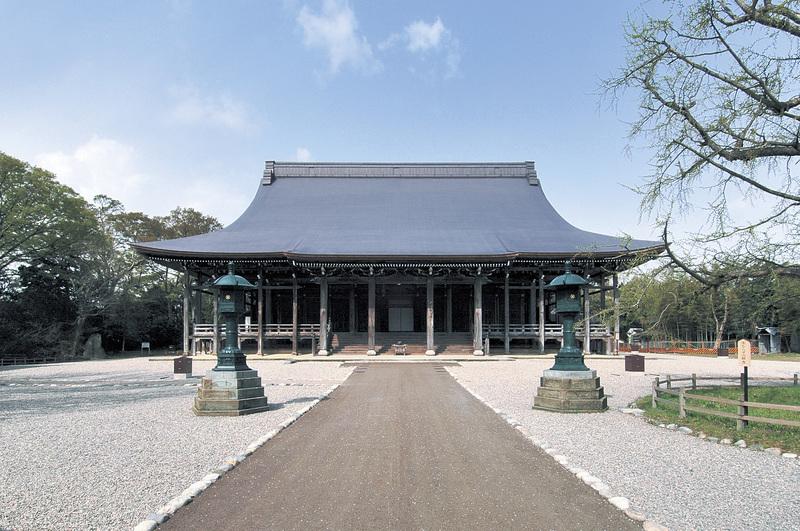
(39, 217)
(68, 269)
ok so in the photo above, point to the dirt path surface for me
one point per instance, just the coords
(399, 446)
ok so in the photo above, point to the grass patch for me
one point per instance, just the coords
(766, 435)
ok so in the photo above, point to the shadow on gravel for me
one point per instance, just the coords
(281, 405)
(46, 400)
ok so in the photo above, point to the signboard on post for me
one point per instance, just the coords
(743, 347)
(745, 353)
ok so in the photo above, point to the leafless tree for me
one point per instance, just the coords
(720, 105)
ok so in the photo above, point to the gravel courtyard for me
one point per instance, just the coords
(679, 481)
(99, 445)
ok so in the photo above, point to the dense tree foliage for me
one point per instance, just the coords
(68, 269)
(672, 305)
(38, 216)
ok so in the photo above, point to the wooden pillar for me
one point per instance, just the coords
(477, 332)
(429, 317)
(267, 314)
(532, 308)
(295, 315)
(587, 333)
(506, 316)
(449, 310)
(352, 309)
(323, 317)
(260, 302)
(216, 324)
(187, 310)
(615, 294)
(371, 317)
(267, 305)
(607, 343)
(541, 311)
(197, 312)
(521, 307)
(197, 305)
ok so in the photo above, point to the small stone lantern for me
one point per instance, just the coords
(231, 388)
(569, 386)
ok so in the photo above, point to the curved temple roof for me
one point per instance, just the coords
(398, 211)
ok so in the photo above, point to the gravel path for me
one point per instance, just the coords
(679, 481)
(99, 445)
(413, 451)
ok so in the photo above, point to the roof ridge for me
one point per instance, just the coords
(276, 169)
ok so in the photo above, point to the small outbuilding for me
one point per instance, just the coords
(769, 339)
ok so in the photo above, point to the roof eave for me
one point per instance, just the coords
(332, 258)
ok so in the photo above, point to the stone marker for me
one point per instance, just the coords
(93, 349)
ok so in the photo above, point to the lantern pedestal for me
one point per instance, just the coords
(569, 386)
(231, 388)
(570, 392)
(230, 393)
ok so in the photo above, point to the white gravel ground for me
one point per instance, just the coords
(99, 445)
(677, 480)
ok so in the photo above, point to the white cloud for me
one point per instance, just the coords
(98, 166)
(334, 30)
(303, 154)
(427, 40)
(203, 195)
(423, 36)
(192, 108)
(109, 167)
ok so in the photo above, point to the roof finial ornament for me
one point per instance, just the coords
(269, 172)
(530, 173)
(230, 268)
(568, 267)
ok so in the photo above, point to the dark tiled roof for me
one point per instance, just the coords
(338, 210)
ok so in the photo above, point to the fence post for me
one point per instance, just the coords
(795, 378)
(681, 403)
(694, 381)
(740, 423)
(669, 381)
(655, 393)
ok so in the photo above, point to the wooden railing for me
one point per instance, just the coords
(514, 330)
(741, 417)
(595, 330)
(251, 330)
(550, 330)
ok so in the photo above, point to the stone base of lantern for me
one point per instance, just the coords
(230, 394)
(570, 392)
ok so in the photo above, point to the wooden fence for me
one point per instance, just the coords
(27, 361)
(742, 417)
(682, 348)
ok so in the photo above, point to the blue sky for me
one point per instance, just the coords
(179, 102)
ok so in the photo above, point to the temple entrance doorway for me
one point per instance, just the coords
(400, 307)
(401, 319)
